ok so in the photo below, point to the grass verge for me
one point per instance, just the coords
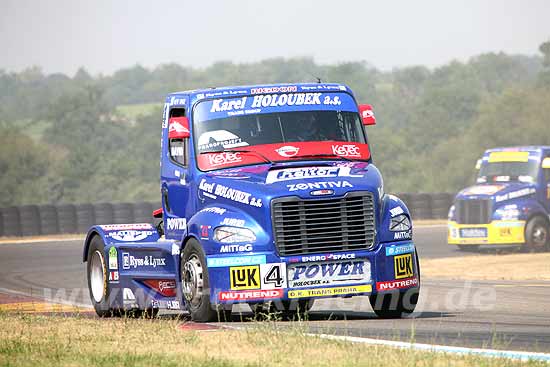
(30, 340)
(486, 267)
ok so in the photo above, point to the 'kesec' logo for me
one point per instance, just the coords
(224, 158)
(346, 150)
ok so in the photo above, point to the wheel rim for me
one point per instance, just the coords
(192, 281)
(539, 236)
(97, 276)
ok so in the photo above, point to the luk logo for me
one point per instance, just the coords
(287, 151)
(176, 224)
(403, 266)
(224, 158)
(346, 150)
(245, 277)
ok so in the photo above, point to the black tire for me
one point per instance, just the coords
(537, 235)
(393, 305)
(468, 248)
(286, 310)
(101, 304)
(195, 283)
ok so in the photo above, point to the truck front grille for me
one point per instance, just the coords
(323, 225)
(473, 211)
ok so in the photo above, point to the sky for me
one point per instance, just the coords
(106, 35)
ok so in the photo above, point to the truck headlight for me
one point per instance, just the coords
(226, 234)
(451, 214)
(400, 223)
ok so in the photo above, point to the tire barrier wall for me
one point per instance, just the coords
(33, 220)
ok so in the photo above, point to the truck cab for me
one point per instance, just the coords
(510, 203)
(270, 197)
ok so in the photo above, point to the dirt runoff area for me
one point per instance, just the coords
(489, 267)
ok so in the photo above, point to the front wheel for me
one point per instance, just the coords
(536, 235)
(195, 283)
(393, 305)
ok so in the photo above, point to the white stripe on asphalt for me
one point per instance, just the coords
(42, 299)
(493, 353)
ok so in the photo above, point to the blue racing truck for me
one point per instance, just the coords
(509, 205)
(270, 198)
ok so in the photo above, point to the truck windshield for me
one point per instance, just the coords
(279, 127)
(508, 171)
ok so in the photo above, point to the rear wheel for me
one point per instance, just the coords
(97, 279)
(536, 235)
(195, 284)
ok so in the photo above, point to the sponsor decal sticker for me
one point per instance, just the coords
(515, 194)
(236, 248)
(213, 191)
(327, 292)
(250, 295)
(397, 284)
(399, 249)
(403, 266)
(308, 172)
(214, 209)
(175, 249)
(113, 258)
(396, 211)
(287, 151)
(244, 277)
(221, 159)
(318, 185)
(174, 224)
(205, 232)
(403, 235)
(346, 150)
(327, 273)
(221, 262)
(233, 222)
(323, 257)
(134, 262)
(120, 227)
(129, 235)
(483, 190)
(113, 276)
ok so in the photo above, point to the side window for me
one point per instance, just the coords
(177, 144)
(178, 151)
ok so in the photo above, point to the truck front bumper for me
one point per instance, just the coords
(498, 232)
(250, 278)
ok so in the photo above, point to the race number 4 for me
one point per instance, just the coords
(273, 275)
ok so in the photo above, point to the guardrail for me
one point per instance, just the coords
(34, 220)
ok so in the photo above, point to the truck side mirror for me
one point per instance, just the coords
(178, 128)
(546, 162)
(365, 110)
(478, 164)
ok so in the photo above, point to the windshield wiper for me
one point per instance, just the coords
(322, 155)
(267, 160)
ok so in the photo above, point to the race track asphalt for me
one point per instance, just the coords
(497, 314)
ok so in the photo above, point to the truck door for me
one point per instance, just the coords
(175, 175)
